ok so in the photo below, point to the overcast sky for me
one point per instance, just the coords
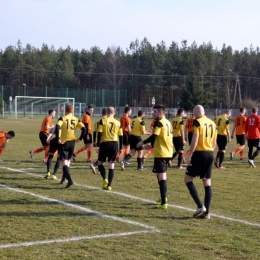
(82, 24)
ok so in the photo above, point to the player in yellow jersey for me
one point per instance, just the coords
(109, 132)
(178, 137)
(137, 129)
(239, 126)
(65, 133)
(223, 137)
(200, 160)
(95, 133)
(161, 141)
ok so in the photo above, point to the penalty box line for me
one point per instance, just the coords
(245, 222)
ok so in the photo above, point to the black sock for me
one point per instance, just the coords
(49, 162)
(66, 173)
(221, 157)
(255, 154)
(194, 193)
(250, 151)
(217, 157)
(102, 171)
(139, 162)
(208, 196)
(163, 190)
(110, 176)
(127, 157)
(174, 155)
(95, 163)
(57, 166)
(180, 159)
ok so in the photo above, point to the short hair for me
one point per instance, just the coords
(127, 109)
(254, 109)
(89, 107)
(180, 110)
(242, 109)
(69, 108)
(140, 113)
(160, 107)
(11, 133)
(50, 111)
(110, 110)
(104, 111)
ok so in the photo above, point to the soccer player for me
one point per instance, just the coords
(137, 129)
(109, 132)
(188, 130)
(239, 127)
(126, 127)
(200, 160)
(161, 141)
(86, 120)
(223, 137)
(5, 137)
(44, 131)
(95, 133)
(178, 138)
(252, 129)
(65, 133)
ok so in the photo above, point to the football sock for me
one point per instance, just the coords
(217, 157)
(80, 150)
(255, 154)
(139, 162)
(46, 152)
(174, 155)
(186, 154)
(49, 162)
(241, 154)
(110, 176)
(180, 157)
(57, 166)
(221, 158)
(39, 150)
(66, 173)
(250, 151)
(194, 193)
(127, 157)
(102, 171)
(89, 154)
(148, 152)
(163, 190)
(238, 150)
(208, 195)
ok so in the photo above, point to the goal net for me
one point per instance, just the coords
(27, 106)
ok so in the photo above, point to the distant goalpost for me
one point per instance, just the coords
(28, 106)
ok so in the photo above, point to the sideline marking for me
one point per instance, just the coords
(142, 199)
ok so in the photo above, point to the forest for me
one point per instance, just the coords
(219, 77)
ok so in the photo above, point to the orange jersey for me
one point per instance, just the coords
(240, 123)
(46, 121)
(87, 120)
(152, 123)
(2, 137)
(252, 127)
(189, 124)
(125, 122)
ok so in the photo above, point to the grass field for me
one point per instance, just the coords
(42, 220)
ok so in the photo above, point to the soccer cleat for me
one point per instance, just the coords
(216, 164)
(160, 200)
(93, 168)
(109, 188)
(242, 159)
(221, 167)
(127, 163)
(47, 176)
(164, 206)
(74, 157)
(89, 161)
(122, 165)
(68, 185)
(105, 183)
(32, 155)
(251, 164)
(117, 159)
(205, 216)
(141, 168)
(181, 168)
(199, 211)
(231, 156)
(54, 177)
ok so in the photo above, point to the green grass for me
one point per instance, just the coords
(123, 223)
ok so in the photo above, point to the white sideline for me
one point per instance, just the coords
(145, 200)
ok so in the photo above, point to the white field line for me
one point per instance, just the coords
(145, 200)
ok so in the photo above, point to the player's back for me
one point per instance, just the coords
(110, 129)
(240, 123)
(252, 127)
(137, 126)
(222, 124)
(125, 122)
(177, 126)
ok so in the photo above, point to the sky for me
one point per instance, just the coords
(83, 24)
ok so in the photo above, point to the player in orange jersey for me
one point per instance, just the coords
(4, 139)
(126, 127)
(86, 120)
(239, 127)
(44, 131)
(188, 131)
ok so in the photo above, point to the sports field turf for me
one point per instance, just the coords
(42, 220)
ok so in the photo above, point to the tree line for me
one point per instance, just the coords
(178, 75)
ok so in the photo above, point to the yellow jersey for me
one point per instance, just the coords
(222, 124)
(177, 126)
(137, 126)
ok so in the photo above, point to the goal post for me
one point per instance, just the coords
(28, 106)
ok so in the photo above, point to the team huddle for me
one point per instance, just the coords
(123, 138)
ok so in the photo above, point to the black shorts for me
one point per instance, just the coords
(201, 165)
(178, 144)
(222, 142)
(87, 141)
(241, 139)
(54, 146)
(160, 165)
(108, 150)
(125, 138)
(43, 138)
(253, 143)
(190, 137)
(134, 140)
(66, 150)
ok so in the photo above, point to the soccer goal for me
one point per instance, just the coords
(27, 106)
